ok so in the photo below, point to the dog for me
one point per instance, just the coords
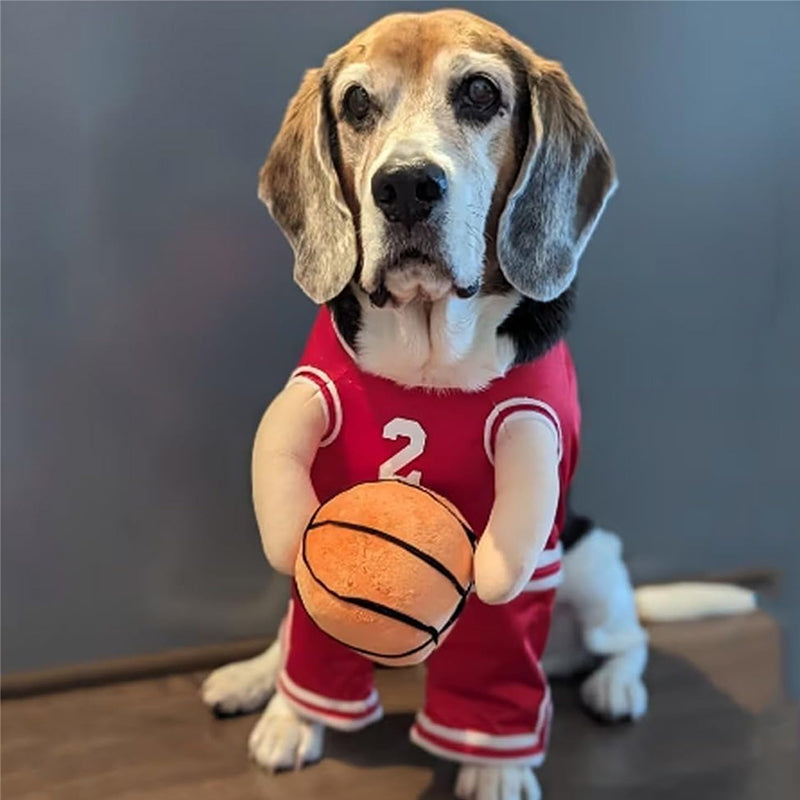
(438, 182)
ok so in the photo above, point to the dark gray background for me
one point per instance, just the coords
(149, 312)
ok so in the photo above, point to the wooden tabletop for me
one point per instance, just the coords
(718, 728)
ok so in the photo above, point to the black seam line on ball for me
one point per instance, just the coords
(473, 539)
(468, 532)
(363, 650)
(374, 653)
(406, 653)
(455, 615)
(387, 537)
(457, 612)
(380, 608)
(371, 605)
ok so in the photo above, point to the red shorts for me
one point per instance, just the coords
(486, 698)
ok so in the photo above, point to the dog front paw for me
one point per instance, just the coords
(480, 782)
(243, 686)
(615, 691)
(284, 740)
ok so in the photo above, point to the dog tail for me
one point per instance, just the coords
(690, 600)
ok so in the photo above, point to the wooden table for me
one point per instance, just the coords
(719, 728)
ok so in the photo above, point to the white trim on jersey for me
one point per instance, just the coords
(417, 736)
(314, 699)
(458, 744)
(344, 715)
(542, 584)
(331, 719)
(491, 741)
(550, 556)
(323, 383)
(518, 407)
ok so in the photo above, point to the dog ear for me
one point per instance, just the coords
(299, 183)
(564, 180)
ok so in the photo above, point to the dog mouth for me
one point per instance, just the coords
(412, 254)
(416, 274)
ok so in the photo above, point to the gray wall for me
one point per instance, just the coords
(149, 312)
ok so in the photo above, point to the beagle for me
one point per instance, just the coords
(438, 182)
(438, 166)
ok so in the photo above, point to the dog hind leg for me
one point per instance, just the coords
(598, 588)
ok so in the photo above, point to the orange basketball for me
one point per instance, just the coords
(385, 568)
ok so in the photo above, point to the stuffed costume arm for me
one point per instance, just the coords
(526, 498)
(285, 446)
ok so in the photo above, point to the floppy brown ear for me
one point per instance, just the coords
(300, 186)
(565, 178)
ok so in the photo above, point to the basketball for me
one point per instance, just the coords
(385, 568)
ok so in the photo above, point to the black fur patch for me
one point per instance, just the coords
(575, 528)
(346, 312)
(535, 327)
(330, 125)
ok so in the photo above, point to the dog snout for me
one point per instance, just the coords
(407, 193)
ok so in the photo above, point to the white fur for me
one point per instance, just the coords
(476, 782)
(282, 739)
(692, 600)
(449, 344)
(615, 690)
(423, 128)
(595, 615)
(598, 587)
(243, 686)
(417, 136)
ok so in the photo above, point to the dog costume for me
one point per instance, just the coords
(487, 699)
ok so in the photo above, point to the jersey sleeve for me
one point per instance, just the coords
(544, 390)
(328, 397)
(322, 364)
(517, 408)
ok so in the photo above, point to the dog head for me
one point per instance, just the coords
(436, 154)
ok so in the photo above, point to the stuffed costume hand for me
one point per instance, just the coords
(285, 446)
(526, 497)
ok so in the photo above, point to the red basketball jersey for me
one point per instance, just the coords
(443, 440)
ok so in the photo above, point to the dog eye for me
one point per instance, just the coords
(357, 103)
(476, 99)
(481, 92)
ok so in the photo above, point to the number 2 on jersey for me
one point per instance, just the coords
(401, 428)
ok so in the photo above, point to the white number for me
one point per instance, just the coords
(407, 429)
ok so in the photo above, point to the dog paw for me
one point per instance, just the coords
(242, 687)
(283, 740)
(615, 691)
(478, 782)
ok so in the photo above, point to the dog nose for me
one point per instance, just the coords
(407, 193)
